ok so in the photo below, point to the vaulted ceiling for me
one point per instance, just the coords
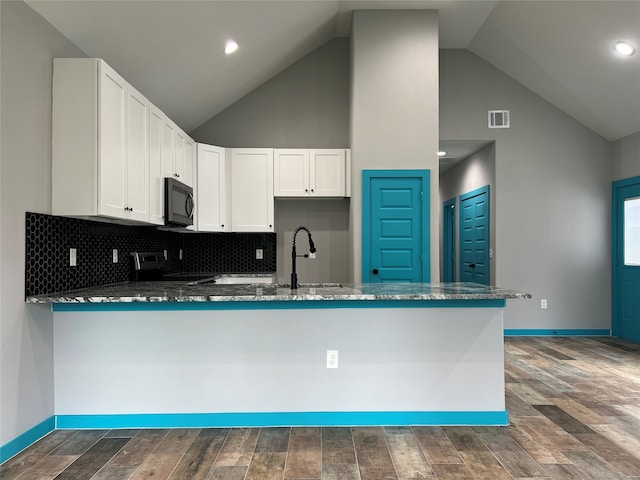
(173, 50)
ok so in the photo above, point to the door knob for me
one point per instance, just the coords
(374, 271)
(472, 265)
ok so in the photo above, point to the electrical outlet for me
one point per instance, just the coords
(73, 257)
(543, 304)
(332, 358)
(115, 255)
(259, 254)
(312, 255)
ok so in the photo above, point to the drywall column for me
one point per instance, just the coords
(394, 107)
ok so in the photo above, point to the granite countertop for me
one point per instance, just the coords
(180, 291)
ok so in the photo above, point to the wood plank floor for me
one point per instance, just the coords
(574, 407)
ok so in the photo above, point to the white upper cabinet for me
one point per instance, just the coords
(180, 164)
(112, 148)
(252, 202)
(189, 172)
(210, 191)
(156, 175)
(167, 154)
(100, 156)
(311, 173)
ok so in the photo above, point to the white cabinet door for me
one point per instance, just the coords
(179, 138)
(210, 191)
(168, 151)
(112, 91)
(137, 140)
(290, 173)
(189, 161)
(328, 173)
(156, 179)
(252, 190)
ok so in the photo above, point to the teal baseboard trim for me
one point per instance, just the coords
(557, 332)
(279, 419)
(273, 305)
(28, 438)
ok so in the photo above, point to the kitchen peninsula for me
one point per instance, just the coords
(168, 354)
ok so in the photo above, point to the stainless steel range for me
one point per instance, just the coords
(148, 266)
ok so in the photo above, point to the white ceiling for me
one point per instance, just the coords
(171, 50)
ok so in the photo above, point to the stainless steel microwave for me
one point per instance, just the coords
(178, 203)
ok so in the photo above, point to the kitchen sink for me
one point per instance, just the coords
(310, 285)
(236, 279)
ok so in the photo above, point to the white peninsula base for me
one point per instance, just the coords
(430, 365)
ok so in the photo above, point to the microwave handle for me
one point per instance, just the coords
(189, 205)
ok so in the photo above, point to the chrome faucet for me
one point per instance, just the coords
(294, 255)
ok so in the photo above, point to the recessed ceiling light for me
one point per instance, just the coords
(625, 48)
(230, 47)
(442, 154)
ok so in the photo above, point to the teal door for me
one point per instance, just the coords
(626, 259)
(449, 241)
(395, 226)
(474, 236)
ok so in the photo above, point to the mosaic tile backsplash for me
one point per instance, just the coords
(229, 252)
(49, 238)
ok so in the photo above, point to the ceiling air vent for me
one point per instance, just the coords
(499, 119)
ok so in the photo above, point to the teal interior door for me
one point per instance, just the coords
(474, 236)
(626, 259)
(449, 241)
(395, 228)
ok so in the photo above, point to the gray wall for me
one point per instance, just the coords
(305, 106)
(552, 196)
(29, 44)
(328, 221)
(394, 106)
(474, 172)
(626, 157)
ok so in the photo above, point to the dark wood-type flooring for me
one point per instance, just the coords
(574, 406)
